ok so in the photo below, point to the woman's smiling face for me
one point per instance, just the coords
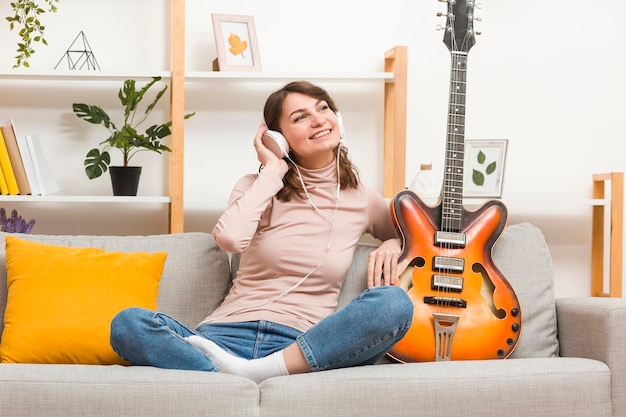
(311, 128)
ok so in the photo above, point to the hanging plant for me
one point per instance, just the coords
(26, 19)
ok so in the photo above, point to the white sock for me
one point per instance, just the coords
(255, 369)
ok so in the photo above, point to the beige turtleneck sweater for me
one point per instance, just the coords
(282, 242)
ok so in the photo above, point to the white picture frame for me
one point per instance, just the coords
(484, 168)
(236, 43)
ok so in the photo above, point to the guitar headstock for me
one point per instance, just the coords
(459, 31)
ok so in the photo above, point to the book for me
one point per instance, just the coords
(45, 177)
(16, 158)
(27, 161)
(4, 188)
(7, 167)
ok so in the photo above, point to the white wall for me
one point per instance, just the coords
(544, 75)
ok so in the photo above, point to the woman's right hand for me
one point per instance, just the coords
(266, 157)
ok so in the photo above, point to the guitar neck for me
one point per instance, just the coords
(452, 190)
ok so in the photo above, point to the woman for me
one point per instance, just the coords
(296, 224)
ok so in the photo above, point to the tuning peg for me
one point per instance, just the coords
(439, 14)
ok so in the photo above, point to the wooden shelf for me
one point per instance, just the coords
(393, 79)
(74, 76)
(282, 76)
(52, 198)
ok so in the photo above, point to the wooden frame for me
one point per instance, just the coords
(484, 167)
(236, 43)
(394, 162)
(615, 237)
(395, 97)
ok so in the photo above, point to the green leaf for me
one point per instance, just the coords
(491, 168)
(478, 178)
(159, 131)
(96, 163)
(93, 114)
(481, 157)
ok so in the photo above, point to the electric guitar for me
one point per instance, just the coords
(464, 308)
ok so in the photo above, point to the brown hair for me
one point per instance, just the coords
(272, 111)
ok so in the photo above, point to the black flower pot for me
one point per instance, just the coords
(125, 180)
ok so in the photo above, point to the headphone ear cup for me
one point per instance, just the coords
(340, 124)
(276, 143)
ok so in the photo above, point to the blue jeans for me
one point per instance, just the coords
(359, 334)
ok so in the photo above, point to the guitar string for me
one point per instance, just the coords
(454, 172)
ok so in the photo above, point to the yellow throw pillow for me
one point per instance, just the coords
(61, 300)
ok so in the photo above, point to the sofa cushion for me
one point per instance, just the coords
(523, 257)
(131, 391)
(61, 300)
(556, 387)
(195, 277)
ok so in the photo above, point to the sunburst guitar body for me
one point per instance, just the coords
(464, 308)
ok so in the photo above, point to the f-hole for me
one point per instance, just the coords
(406, 278)
(487, 290)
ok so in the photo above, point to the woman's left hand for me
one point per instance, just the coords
(382, 264)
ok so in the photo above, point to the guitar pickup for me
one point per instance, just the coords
(446, 301)
(448, 264)
(450, 238)
(446, 283)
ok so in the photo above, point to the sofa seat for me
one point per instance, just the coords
(493, 388)
(116, 390)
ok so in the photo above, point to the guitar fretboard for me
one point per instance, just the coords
(452, 190)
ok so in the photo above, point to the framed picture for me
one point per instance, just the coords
(236, 43)
(484, 167)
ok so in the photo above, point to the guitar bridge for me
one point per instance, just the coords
(450, 238)
(446, 301)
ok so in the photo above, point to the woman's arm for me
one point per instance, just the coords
(250, 197)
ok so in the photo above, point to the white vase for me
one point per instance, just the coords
(425, 185)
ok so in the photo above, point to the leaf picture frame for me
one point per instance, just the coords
(484, 167)
(236, 43)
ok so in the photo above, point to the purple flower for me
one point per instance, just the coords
(14, 224)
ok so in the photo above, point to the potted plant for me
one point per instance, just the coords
(126, 138)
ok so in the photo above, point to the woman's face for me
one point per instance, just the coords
(311, 128)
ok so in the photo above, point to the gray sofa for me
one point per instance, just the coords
(579, 371)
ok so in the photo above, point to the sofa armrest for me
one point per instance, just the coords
(595, 328)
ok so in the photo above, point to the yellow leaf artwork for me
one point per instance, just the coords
(237, 46)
